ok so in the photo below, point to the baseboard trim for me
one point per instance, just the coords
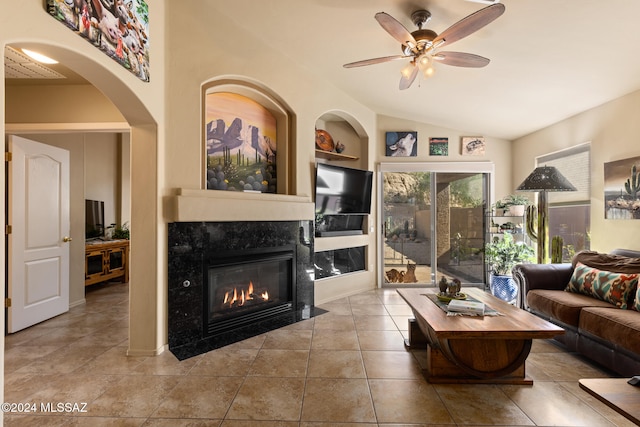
(147, 353)
(77, 303)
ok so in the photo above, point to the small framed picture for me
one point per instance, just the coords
(472, 146)
(401, 144)
(438, 146)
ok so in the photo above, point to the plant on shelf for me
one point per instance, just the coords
(516, 204)
(515, 200)
(498, 208)
(502, 254)
(119, 231)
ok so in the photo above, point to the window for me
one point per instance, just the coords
(570, 211)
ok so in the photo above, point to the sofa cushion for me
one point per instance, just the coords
(609, 262)
(560, 305)
(619, 327)
(614, 288)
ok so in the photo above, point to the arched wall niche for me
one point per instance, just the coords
(259, 93)
(345, 128)
(338, 115)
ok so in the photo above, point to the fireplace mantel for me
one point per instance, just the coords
(210, 205)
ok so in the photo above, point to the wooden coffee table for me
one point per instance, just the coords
(616, 393)
(465, 349)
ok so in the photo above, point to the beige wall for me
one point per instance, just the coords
(59, 104)
(613, 130)
(497, 150)
(102, 173)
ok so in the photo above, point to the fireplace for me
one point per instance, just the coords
(245, 287)
(229, 281)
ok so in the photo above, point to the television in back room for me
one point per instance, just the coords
(94, 219)
(343, 191)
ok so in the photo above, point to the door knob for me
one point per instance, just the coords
(66, 239)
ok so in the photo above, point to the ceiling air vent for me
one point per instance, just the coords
(20, 66)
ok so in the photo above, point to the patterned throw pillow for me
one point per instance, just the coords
(635, 301)
(614, 288)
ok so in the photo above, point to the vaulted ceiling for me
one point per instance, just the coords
(550, 59)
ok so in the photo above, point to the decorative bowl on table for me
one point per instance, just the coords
(447, 297)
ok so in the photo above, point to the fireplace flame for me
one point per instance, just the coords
(239, 297)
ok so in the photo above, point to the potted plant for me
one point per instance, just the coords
(498, 208)
(501, 255)
(115, 231)
(516, 204)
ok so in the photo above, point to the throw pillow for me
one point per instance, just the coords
(636, 302)
(614, 288)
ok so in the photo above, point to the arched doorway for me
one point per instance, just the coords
(143, 296)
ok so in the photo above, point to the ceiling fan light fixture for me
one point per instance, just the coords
(421, 45)
(428, 72)
(424, 61)
(407, 70)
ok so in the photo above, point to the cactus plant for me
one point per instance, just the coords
(531, 218)
(632, 186)
(556, 249)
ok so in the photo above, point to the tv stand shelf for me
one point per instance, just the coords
(106, 260)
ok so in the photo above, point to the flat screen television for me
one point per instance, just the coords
(342, 191)
(94, 218)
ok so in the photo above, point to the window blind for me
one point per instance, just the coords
(574, 163)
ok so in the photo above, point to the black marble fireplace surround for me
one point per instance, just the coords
(195, 246)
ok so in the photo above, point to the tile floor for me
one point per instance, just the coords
(345, 368)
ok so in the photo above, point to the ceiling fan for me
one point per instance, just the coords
(421, 45)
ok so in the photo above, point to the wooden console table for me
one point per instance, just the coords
(106, 260)
(616, 393)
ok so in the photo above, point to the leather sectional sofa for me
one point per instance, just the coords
(595, 298)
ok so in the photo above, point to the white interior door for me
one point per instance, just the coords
(38, 248)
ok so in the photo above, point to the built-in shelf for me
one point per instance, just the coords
(338, 242)
(334, 156)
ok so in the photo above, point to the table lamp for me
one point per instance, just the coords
(542, 180)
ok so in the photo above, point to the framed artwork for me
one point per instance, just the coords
(401, 144)
(622, 189)
(119, 29)
(240, 144)
(438, 146)
(472, 146)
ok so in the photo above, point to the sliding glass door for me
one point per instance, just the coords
(433, 222)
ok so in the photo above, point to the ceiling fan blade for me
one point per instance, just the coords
(470, 24)
(396, 29)
(374, 61)
(405, 82)
(461, 59)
